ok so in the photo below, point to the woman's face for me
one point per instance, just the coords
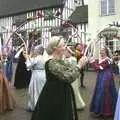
(79, 47)
(103, 53)
(60, 50)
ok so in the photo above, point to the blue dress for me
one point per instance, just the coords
(105, 94)
(117, 110)
(8, 68)
(37, 81)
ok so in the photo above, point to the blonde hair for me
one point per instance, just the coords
(54, 42)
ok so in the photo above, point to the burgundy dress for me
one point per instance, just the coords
(105, 94)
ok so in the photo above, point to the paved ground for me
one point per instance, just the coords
(21, 98)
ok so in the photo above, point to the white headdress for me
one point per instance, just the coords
(39, 49)
(54, 42)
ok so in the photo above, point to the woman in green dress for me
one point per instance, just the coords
(57, 101)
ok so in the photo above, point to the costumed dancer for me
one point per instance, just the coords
(8, 66)
(79, 50)
(57, 101)
(80, 104)
(7, 101)
(22, 75)
(119, 65)
(105, 95)
(38, 78)
(117, 110)
(115, 63)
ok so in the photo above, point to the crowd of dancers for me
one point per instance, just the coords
(52, 77)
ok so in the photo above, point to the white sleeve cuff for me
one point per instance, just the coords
(101, 67)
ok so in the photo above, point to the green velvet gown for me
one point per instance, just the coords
(57, 101)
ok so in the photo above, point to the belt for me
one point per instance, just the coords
(38, 69)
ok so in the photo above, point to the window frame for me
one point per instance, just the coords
(108, 8)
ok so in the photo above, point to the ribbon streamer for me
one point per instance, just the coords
(30, 19)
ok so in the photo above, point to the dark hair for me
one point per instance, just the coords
(107, 51)
(77, 44)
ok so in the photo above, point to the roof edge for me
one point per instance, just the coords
(22, 12)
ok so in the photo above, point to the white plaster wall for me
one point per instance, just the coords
(86, 2)
(96, 22)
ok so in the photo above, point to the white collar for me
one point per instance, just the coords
(101, 60)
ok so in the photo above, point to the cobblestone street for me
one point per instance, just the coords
(21, 99)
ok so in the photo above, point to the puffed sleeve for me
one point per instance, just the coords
(100, 66)
(64, 71)
(30, 62)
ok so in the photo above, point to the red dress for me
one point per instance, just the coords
(105, 94)
(7, 101)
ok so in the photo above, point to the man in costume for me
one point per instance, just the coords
(79, 50)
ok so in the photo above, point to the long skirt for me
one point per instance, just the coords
(117, 110)
(7, 101)
(56, 102)
(22, 75)
(36, 85)
(105, 95)
(80, 104)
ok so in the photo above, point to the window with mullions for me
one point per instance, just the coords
(107, 7)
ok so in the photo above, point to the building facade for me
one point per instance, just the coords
(80, 20)
(14, 14)
(44, 10)
(104, 14)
